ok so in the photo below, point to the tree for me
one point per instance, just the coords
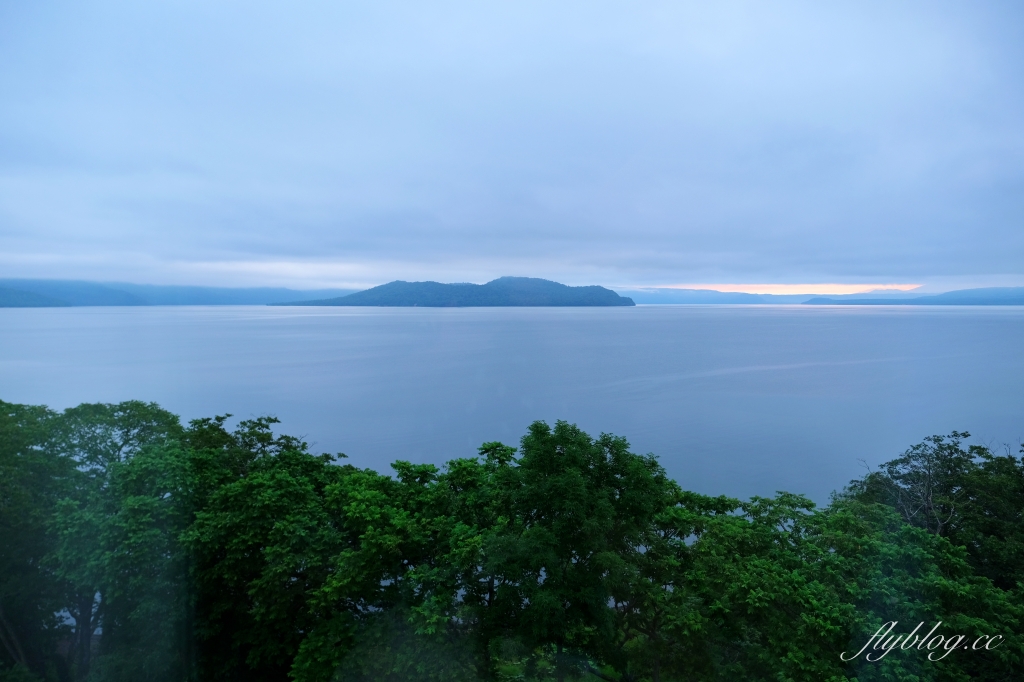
(97, 439)
(131, 548)
(30, 595)
(579, 510)
(260, 545)
(970, 496)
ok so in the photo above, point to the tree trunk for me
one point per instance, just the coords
(10, 640)
(85, 627)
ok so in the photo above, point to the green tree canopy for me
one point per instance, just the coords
(133, 548)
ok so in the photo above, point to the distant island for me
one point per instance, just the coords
(504, 291)
(989, 296)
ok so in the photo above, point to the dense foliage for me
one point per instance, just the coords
(133, 548)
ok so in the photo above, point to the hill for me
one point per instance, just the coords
(505, 291)
(24, 293)
(16, 298)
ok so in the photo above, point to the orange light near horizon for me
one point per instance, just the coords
(822, 289)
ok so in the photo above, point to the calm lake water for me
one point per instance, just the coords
(734, 400)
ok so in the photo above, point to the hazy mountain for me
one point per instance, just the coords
(15, 298)
(505, 291)
(46, 293)
(989, 296)
(709, 296)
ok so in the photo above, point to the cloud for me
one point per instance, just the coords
(628, 143)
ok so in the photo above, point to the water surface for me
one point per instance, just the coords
(734, 400)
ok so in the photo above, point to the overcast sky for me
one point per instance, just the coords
(625, 144)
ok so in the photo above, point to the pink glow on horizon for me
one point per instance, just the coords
(823, 289)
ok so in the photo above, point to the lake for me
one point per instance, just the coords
(734, 400)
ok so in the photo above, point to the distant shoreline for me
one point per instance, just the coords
(504, 292)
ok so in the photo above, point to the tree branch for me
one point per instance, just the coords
(597, 673)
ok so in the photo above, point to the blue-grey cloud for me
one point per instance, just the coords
(343, 144)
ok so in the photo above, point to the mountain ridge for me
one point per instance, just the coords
(40, 293)
(983, 296)
(501, 292)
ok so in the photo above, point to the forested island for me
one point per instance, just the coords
(504, 291)
(133, 547)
